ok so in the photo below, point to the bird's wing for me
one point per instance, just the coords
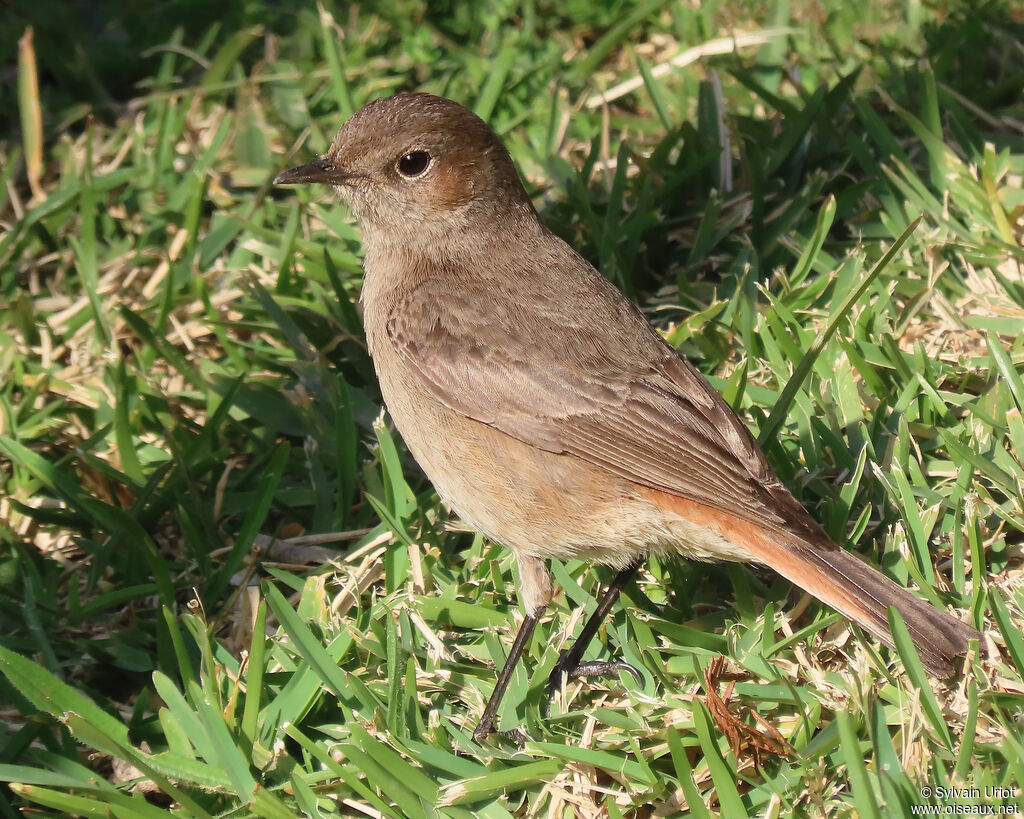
(600, 384)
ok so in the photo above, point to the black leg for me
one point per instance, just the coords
(486, 726)
(569, 663)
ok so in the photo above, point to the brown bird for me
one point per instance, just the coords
(541, 404)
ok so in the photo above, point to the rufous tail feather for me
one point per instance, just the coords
(843, 581)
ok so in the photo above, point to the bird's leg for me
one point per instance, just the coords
(535, 594)
(486, 725)
(570, 662)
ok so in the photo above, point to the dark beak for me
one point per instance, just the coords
(323, 170)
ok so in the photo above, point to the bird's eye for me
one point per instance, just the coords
(413, 164)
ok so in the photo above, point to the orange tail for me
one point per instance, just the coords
(845, 582)
(863, 594)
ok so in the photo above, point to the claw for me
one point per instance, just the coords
(590, 668)
(598, 668)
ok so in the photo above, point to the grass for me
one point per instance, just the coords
(225, 587)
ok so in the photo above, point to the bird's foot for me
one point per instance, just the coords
(602, 668)
(568, 667)
(486, 729)
(483, 730)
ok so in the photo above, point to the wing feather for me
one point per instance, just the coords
(603, 387)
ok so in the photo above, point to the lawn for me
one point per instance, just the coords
(227, 590)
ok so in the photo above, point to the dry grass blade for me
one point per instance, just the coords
(742, 736)
(720, 45)
(31, 113)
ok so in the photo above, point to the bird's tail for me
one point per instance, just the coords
(842, 580)
(863, 594)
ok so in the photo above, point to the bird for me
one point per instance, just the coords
(544, 408)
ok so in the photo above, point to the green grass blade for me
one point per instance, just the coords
(864, 797)
(53, 696)
(722, 774)
(912, 663)
(778, 414)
